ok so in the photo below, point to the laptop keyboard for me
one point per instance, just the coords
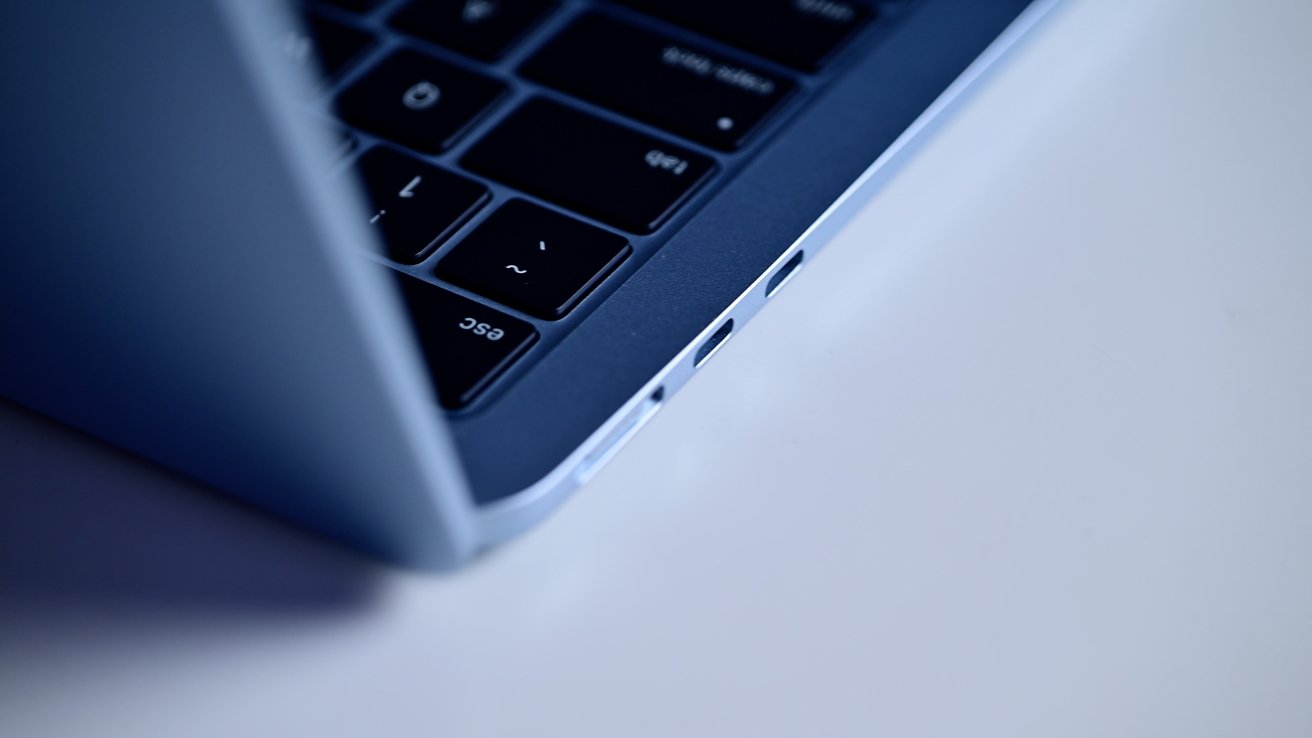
(520, 157)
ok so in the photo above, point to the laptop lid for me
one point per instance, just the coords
(227, 326)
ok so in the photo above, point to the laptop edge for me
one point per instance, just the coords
(282, 371)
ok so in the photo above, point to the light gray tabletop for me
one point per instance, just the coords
(1026, 452)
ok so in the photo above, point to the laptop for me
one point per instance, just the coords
(409, 272)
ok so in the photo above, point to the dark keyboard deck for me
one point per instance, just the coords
(520, 157)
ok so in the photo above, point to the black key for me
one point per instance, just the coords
(533, 259)
(800, 33)
(418, 101)
(683, 88)
(413, 205)
(483, 29)
(465, 344)
(616, 174)
(323, 45)
(356, 6)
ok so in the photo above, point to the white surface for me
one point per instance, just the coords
(1026, 452)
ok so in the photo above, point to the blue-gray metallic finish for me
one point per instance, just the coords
(173, 280)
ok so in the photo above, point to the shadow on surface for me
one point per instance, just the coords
(87, 528)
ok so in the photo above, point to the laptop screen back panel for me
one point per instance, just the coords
(175, 277)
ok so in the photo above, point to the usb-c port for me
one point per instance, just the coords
(784, 274)
(712, 344)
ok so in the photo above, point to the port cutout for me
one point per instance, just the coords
(713, 344)
(784, 274)
(625, 430)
